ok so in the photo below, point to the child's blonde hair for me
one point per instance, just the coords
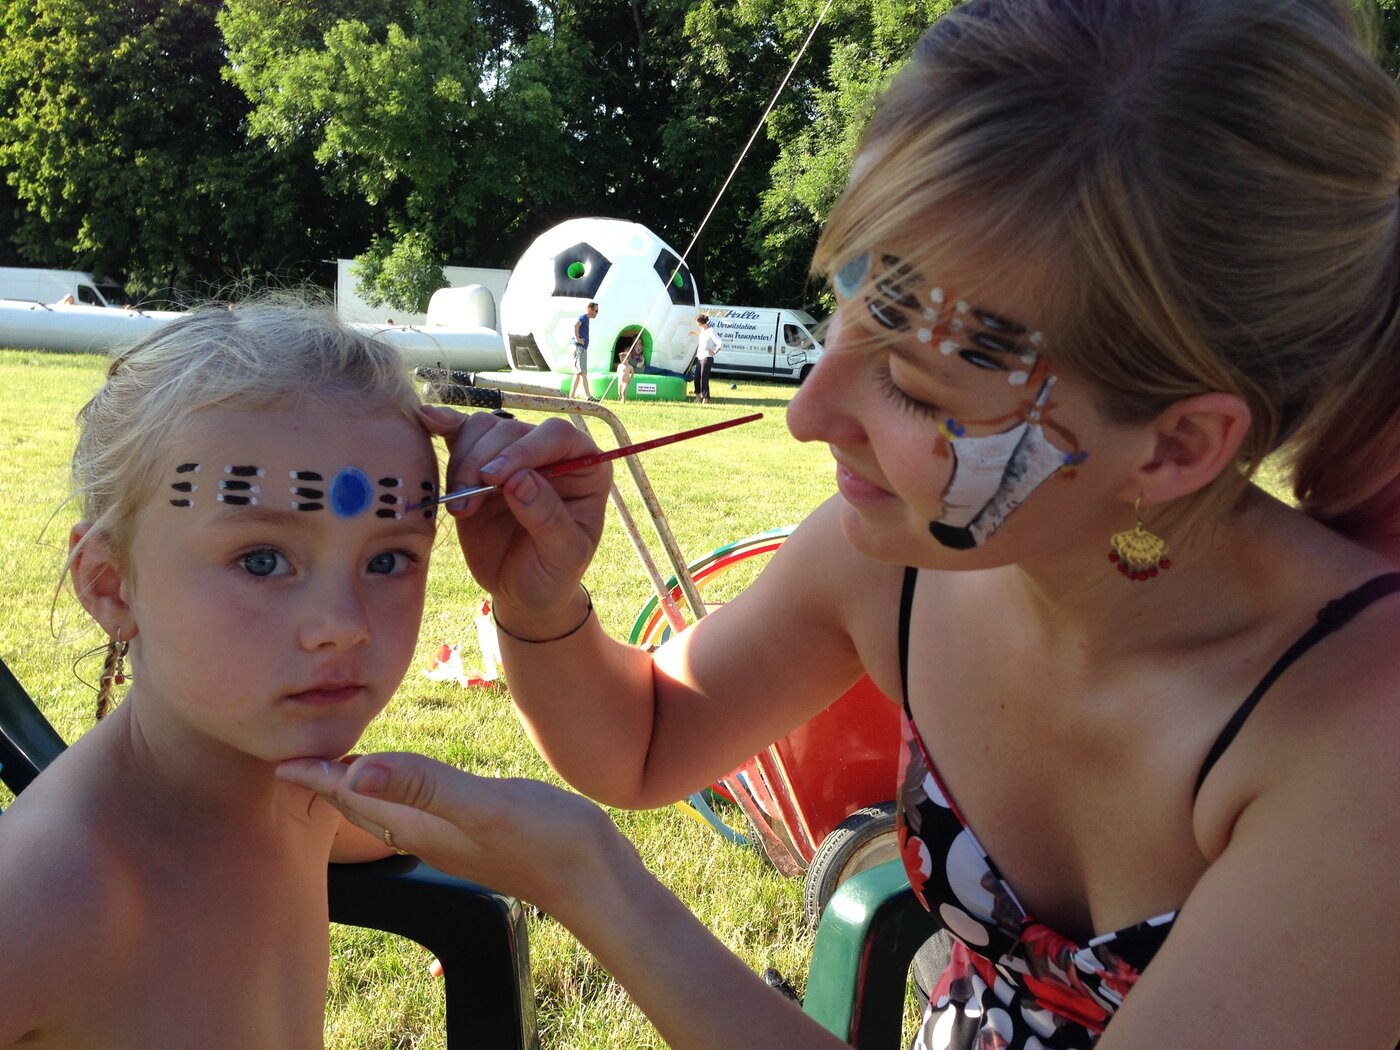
(263, 355)
(1209, 191)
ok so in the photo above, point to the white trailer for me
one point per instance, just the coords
(763, 342)
(59, 286)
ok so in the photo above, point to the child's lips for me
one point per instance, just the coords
(328, 694)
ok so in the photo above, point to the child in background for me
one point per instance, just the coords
(248, 546)
(632, 361)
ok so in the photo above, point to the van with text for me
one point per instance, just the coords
(763, 342)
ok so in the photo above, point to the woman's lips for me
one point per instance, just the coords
(856, 489)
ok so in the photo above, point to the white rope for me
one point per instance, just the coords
(743, 153)
(759, 127)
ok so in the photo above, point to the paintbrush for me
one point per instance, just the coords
(567, 466)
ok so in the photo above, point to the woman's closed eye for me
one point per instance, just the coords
(900, 398)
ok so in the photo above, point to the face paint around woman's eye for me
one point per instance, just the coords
(994, 474)
(849, 278)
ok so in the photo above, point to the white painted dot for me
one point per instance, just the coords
(963, 926)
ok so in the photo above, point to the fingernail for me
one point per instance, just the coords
(495, 466)
(526, 488)
(325, 767)
(371, 780)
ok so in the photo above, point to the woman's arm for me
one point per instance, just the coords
(622, 727)
(637, 730)
(561, 852)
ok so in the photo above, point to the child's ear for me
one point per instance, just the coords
(99, 581)
(1197, 439)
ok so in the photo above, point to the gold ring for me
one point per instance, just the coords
(389, 841)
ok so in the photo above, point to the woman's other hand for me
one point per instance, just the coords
(521, 837)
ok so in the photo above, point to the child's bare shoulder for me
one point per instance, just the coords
(64, 897)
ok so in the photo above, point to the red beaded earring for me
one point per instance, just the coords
(1139, 553)
(116, 660)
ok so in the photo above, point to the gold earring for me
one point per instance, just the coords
(1139, 553)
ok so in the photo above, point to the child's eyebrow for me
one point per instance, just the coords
(234, 518)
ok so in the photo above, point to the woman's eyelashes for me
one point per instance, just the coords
(899, 397)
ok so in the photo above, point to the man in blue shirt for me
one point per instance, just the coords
(581, 353)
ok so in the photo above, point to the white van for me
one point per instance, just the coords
(763, 342)
(50, 286)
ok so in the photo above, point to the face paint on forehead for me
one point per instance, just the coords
(900, 300)
(349, 493)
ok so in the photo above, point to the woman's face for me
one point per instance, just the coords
(952, 431)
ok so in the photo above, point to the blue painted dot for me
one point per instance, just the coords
(351, 492)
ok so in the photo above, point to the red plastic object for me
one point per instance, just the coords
(841, 760)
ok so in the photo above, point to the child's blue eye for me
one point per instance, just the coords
(390, 563)
(264, 563)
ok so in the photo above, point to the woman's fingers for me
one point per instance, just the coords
(517, 836)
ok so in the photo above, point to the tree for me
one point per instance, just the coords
(773, 217)
(128, 153)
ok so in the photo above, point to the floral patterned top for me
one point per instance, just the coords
(1013, 983)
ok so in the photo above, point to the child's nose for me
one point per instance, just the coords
(335, 616)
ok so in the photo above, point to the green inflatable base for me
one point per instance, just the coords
(642, 388)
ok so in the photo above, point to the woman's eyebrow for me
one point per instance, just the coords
(923, 357)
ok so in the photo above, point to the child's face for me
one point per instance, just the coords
(276, 577)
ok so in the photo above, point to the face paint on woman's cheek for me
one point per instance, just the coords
(995, 474)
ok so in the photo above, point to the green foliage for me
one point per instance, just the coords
(401, 274)
(127, 149)
(179, 142)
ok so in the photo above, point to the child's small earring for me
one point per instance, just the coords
(1138, 552)
(116, 660)
(113, 673)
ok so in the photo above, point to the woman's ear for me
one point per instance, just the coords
(1197, 439)
(99, 581)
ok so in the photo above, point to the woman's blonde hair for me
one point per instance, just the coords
(1209, 193)
(260, 355)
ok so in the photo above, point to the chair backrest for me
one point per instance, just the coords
(478, 935)
(869, 934)
(28, 742)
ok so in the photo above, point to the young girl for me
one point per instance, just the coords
(249, 545)
(1097, 259)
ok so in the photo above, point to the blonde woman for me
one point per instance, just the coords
(1096, 261)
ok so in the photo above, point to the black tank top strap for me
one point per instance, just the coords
(906, 605)
(1333, 616)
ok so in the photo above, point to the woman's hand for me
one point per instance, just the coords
(521, 837)
(530, 545)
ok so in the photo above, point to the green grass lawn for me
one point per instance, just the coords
(714, 490)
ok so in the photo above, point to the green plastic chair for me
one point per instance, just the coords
(477, 934)
(869, 934)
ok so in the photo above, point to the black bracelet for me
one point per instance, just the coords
(557, 638)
